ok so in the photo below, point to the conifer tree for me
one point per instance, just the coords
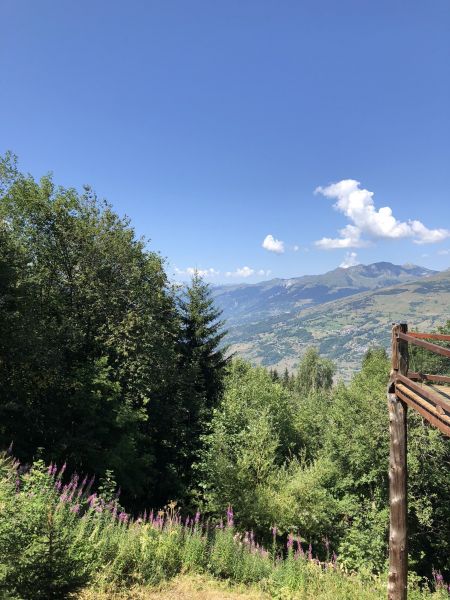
(203, 361)
(274, 375)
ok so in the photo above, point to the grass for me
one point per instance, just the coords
(182, 587)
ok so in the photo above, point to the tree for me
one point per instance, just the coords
(89, 328)
(203, 362)
(314, 372)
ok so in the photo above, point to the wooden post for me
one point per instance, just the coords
(398, 474)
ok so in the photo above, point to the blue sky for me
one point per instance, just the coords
(211, 124)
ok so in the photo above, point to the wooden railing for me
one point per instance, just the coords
(422, 391)
(427, 395)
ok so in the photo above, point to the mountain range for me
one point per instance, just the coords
(342, 312)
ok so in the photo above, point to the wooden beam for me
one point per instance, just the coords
(426, 377)
(429, 392)
(398, 475)
(424, 408)
(430, 336)
(404, 337)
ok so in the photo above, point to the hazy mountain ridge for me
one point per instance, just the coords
(344, 328)
(246, 303)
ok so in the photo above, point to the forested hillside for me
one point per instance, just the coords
(108, 370)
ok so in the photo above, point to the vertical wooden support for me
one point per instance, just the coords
(398, 474)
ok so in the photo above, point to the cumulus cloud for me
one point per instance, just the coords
(350, 260)
(241, 272)
(358, 206)
(296, 248)
(273, 245)
(202, 272)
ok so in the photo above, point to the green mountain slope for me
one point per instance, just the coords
(344, 329)
(246, 303)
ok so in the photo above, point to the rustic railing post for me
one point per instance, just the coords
(398, 474)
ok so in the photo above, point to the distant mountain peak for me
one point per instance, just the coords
(342, 313)
(250, 303)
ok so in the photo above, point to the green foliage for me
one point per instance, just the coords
(251, 434)
(98, 364)
(314, 373)
(39, 558)
(202, 367)
(316, 463)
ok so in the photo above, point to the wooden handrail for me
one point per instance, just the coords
(424, 391)
(427, 345)
(430, 336)
(415, 376)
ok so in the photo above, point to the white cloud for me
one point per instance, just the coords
(296, 248)
(358, 206)
(248, 272)
(241, 272)
(202, 272)
(350, 260)
(443, 252)
(273, 245)
(350, 238)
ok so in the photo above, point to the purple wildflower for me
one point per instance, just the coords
(61, 473)
(230, 519)
(310, 554)
(75, 508)
(197, 517)
(438, 579)
(290, 541)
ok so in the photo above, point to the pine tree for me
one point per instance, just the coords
(286, 378)
(202, 369)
